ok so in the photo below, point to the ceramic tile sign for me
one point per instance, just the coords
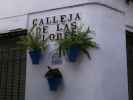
(53, 55)
(56, 60)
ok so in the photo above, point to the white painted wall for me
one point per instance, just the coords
(102, 78)
(129, 15)
(17, 7)
(13, 23)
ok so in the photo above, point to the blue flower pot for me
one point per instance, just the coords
(54, 83)
(73, 53)
(35, 56)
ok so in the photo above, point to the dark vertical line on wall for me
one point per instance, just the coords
(13, 75)
(129, 48)
(3, 76)
(24, 59)
(6, 71)
(19, 81)
(0, 77)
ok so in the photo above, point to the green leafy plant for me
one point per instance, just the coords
(32, 41)
(53, 73)
(79, 38)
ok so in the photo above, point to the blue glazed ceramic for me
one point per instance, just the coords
(73, 54)
(54, 83)
(35, 56)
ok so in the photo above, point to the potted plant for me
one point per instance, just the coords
(75, 42)
(32, 41)
(54, 78)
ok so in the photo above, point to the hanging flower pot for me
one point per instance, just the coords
(33, 42)
(54, 83)
(54, 78)
(76, 43)
(35, 56)
(73, 53)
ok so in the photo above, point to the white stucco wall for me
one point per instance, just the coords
(129, 17)
(15, 7)
(7, 24)
(102, 78)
